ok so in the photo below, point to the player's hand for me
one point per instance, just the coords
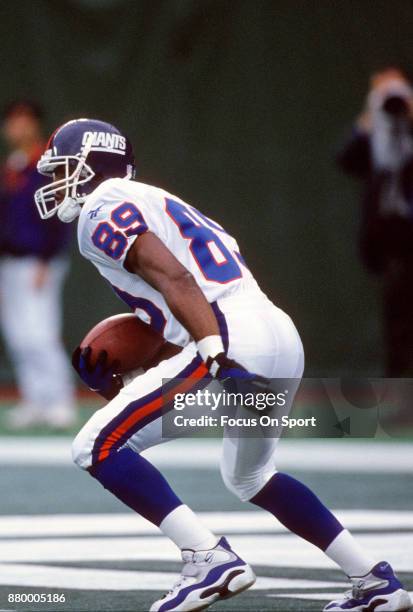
(101, 377)
(234, 376)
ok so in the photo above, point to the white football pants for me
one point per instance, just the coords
(261, 337)
(30, 319)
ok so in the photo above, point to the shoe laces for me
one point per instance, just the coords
(356, 592)
(350, 594)
(360, 587)
(189, 571)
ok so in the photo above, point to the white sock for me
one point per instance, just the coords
(185, 529)
(348, 554)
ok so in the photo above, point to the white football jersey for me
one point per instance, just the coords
(120, 210)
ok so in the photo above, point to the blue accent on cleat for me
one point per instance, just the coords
(378, 591)
(207, 576)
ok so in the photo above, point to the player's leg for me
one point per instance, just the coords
(302, 512)
(109, 447)
(110, 444)
(248, 466)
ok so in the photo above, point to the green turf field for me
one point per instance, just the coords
(61, 533)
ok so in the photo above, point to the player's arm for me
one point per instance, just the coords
(153, 261)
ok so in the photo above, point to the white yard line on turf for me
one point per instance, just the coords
(358, 456)
(124, 580)
(219, 522)
(271, 550)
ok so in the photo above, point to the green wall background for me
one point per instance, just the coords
(238, 107)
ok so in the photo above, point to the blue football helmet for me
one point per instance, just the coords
(79, 156)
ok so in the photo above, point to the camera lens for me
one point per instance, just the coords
(396, 106)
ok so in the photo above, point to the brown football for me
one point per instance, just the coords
(130, 341)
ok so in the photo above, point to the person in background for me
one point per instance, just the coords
(33, 265)
(379, 152)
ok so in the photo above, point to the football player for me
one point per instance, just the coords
(181, 272)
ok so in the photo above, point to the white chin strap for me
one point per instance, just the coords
(68, 210)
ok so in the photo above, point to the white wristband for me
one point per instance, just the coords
(210, 347)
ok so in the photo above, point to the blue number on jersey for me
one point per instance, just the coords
(156, 316)
(127, 215)
(109, 241)
(112, 242)
(200, 237)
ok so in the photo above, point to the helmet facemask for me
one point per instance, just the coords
(76, 172)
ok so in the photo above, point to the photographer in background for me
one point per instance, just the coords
(379, 152)
(33, 266)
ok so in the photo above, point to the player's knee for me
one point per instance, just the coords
(236, 484)
(245, 485)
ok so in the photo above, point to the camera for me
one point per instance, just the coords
(396, 106)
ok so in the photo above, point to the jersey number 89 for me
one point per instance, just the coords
(214, 260)
(114, 242)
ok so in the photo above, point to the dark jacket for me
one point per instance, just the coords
(22, 231)
(382, 237)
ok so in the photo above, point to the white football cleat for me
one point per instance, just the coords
(379, 591)
(207, 576)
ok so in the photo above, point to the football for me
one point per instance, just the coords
(129, 340)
